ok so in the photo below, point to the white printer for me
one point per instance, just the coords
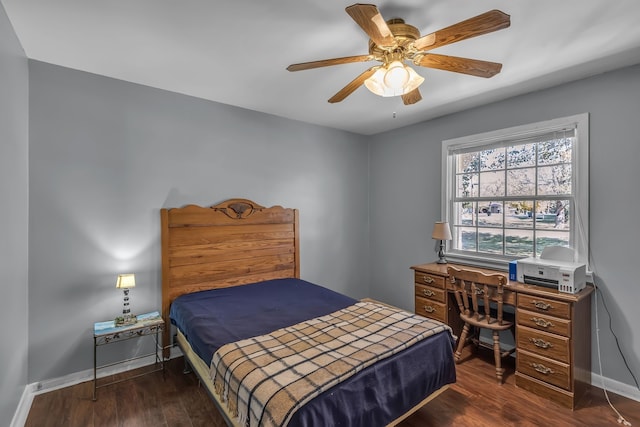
(553, 270)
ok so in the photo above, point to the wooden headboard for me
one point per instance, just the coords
(233, 243)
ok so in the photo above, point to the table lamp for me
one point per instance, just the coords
(441, 232)
(126, 282)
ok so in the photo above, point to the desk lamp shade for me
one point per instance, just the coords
(126, 282)
(441, 232)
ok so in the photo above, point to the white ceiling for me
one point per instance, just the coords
(236, 51)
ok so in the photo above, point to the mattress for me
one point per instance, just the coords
(376, 396)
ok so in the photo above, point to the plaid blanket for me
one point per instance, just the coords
(265, 379)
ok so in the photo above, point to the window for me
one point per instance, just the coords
(509, 194)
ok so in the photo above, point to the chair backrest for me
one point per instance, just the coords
(470, 285)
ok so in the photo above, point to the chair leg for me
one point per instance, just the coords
(461, 342)
(497, 356)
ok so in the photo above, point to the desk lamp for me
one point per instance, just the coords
(441, 232)
(126, 282)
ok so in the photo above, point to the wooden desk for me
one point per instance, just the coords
(553, 330)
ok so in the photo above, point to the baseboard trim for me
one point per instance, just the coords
(22, 412)
(616, 387)
(34, 389)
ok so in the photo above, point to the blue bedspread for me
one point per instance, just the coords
(210, 319)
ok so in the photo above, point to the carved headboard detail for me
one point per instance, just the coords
(238, 208)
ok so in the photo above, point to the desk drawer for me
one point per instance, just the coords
(545, 305)
(429, 279)
(431, 293)
(431, 309)
(543, 322)
(544, 369)
(545, 344)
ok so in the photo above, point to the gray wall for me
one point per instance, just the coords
(405, 185)
(14, 214)
(106, 155)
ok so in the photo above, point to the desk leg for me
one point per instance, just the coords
(95, 368)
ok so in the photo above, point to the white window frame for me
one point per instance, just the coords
(580, 182)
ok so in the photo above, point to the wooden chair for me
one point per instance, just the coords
(475, 287)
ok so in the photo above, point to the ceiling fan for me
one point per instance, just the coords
(393, 42)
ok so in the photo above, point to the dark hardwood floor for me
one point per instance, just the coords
(177, 400)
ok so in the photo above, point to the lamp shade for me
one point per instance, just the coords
(441, 231)
(125, 281)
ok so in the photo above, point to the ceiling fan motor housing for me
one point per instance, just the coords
(404, 35)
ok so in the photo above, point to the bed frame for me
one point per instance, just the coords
(232, 243)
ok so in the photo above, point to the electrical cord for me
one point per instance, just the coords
(621, 419)
(624, 359)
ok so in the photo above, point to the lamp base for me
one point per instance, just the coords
(441, 258)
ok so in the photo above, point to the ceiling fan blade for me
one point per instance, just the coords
(482, 24)
(412, 97)
(328, 62)
(372, 22)
(353, 85)
(474, 67)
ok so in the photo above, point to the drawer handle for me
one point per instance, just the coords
(428, 279)
(428, 292)
(429, 309)
(539, 367)
(541, 305)
(541, 343)
(541, 322)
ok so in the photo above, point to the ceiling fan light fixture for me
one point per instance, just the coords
(415, 80)
(396, 76)
(377, 83)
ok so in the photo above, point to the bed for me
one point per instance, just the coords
(231, 282)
